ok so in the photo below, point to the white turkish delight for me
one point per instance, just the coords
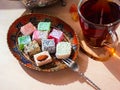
(63, 50)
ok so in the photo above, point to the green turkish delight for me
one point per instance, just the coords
(22, 40)
(44, 26)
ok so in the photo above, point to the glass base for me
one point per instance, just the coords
(102, 53)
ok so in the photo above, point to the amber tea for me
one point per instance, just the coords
(96, 18)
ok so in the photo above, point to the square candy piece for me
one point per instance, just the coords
(57, 35)
(22, 41)
(42, 58)
(32, 48)
(39, 35)
(27, 29)
(44, 26)
(63, 50)
(48, 45)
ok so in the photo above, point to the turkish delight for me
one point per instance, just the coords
(42, 58)
(57, 35)
(39, 35)
(44, 26)
(22, 40)
(27, 29)
(32, 48)
(48, 45)
(63, 50)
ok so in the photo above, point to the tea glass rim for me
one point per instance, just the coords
(100, 25)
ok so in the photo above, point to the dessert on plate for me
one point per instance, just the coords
(41, 43)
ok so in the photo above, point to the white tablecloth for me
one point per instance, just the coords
(14, 76)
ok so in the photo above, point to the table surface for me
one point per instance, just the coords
(14, 76)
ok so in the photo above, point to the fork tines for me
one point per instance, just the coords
(67, 61)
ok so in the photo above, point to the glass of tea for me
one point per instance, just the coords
(99, 20)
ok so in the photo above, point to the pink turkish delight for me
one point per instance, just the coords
(57, 35)
(27, 29)
(39, 35)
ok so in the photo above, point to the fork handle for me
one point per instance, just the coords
(89, 81)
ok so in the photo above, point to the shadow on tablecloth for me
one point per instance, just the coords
(113, 64)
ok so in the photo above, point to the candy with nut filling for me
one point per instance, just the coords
(42, 58)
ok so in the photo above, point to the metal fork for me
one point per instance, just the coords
(74, 66)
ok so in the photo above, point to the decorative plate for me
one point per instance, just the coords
(14, 32)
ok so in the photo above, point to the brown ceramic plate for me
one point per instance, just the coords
(14, 32)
